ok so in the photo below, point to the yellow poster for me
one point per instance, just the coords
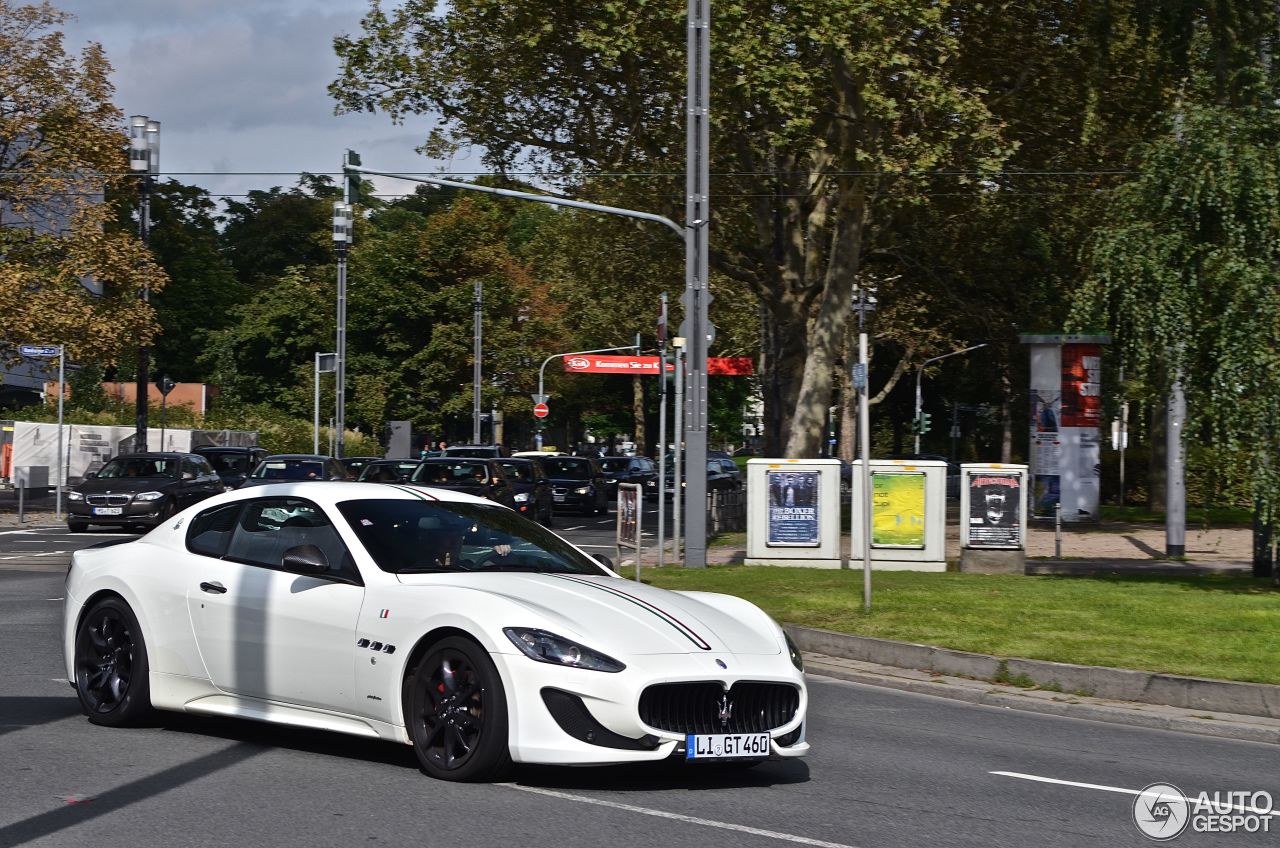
(897, 510)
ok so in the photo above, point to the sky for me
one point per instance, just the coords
(240, 86)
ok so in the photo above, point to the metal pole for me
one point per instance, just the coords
(342, 222)
(1175, 527)
(62, 381)
(864, 440)
(315, 418)
(1124, 434)
(164, 403)
(662, 438)
(677, 475)
(144, 352)
(919, 407)
(477, 305)
(697, 290)
(1057, 530)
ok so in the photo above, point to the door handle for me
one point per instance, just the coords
(213, 588)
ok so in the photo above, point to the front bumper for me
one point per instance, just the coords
(134, 512)
(550, 728)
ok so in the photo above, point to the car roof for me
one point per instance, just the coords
(330, 493)
(154, 455)
(313, 456)
(226, 449)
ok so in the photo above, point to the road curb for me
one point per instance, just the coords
(1089, 709)
(1187, 693)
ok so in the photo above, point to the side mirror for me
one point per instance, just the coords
(91, 475)
(603, 560)
(188, 475)
(305, 559)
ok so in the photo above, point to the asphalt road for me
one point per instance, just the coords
(887, 769)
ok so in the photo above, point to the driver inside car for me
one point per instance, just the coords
(443, 544)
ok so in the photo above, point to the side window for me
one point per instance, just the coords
(210, 531)
(189, 467)
(203, 468)
(271, 526)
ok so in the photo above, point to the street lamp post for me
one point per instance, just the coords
(477, 328)
(144, 160)
(342, 226)
(919, 371)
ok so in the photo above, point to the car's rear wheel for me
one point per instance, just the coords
(457, 713)
(111, 665)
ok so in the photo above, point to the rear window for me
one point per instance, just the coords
(615, 465)
(290, 469)
(572, 469)
(522, 471)
(446, 473)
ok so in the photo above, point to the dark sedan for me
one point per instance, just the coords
(480, 477)
(627, 469)
(719, 479)
(232, 464)
(140, 490)
(295, 467)
(577, 483)
(388, 471)
(530, 488)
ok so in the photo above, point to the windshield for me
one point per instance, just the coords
(567, 468)
(289, 469)
(229, 463)
(445, 473)
(419, 537)
(481, 452)
(521, 471)
(135, 466)
(614, 466)
(387, 472)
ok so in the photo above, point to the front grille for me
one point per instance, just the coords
(696, 707)
(107, 500)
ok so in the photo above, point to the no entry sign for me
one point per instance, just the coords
(540, 410)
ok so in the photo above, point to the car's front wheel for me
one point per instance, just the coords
(457, 713)
(111, 665)
(77, 526)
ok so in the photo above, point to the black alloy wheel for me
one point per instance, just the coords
(457, 713)
(111, 665)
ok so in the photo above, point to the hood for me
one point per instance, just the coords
(122, 485)
(619, 616)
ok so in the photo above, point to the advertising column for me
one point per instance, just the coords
(1066, 406)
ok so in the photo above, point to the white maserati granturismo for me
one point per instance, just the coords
(432, 618)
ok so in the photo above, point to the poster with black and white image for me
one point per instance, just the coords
(995, 505)
(793, 508)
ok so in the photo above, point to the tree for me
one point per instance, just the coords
(277, 229)
(827, 114)
(59, 137)
(1183, 266)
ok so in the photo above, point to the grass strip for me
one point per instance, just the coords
(1217, 626)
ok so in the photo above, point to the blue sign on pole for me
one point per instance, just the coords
(39, 351)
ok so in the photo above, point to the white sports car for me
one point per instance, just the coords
(432, 618)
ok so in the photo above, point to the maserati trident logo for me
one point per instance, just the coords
(724, 708)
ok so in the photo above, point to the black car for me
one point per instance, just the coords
(232, 464)
(388, 471)
(356, 464)
(627, 469)
(577, 483)
(477, 451)
(530, 487)
(475, 476)
(295, 468)
(140, 490)
(719, 478)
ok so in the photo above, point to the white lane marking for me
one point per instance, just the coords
(579, 527)
(38, 554)
(663, 814)
(55, 599)
(1037, 778)
(597, 546)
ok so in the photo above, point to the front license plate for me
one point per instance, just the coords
(727, 746)
(108, 510)
(558, 498)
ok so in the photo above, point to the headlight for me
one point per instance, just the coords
(796, 659)
(582, 491)
(148, 496)
(549, 648)
(74, 496)
(522, 497)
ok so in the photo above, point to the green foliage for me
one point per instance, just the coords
(86, 390)
(1184, 271)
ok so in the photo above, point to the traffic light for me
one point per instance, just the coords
(352, 188)
(924, 423)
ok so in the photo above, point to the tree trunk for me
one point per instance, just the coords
(782, 367)
(848, 404)
(1006, 420)
(1157, 468)
(637, 407)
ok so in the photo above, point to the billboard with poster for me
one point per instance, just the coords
(995, 506)
(897, 509)
(793, 514)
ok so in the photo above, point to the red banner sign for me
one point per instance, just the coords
(592, 364)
